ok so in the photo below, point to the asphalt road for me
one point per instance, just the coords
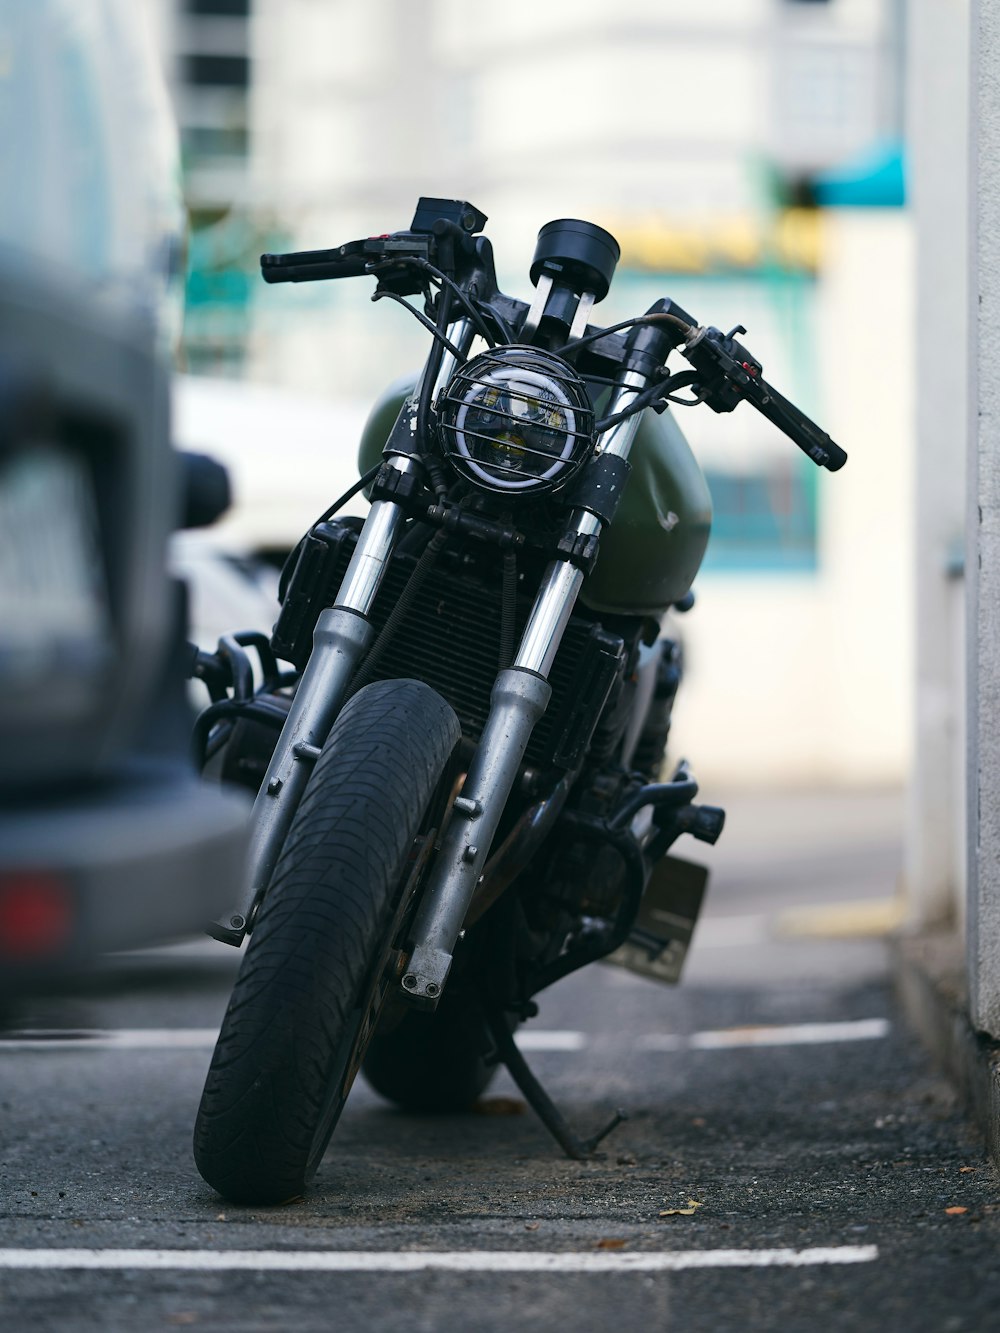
(790, 1159)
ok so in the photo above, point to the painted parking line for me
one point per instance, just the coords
(542, 1040)
(538, 1040)
(797, 1034)
(732, 932)
(105, 1039)
(455, 1261)
(867, 919)
(149, 1039)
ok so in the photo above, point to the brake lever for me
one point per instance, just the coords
(730, 374)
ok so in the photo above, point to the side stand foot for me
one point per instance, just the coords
(536, 1096)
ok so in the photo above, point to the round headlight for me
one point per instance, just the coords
(516, 419)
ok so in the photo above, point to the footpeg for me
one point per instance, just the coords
(706, 822)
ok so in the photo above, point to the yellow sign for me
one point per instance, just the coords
(791, 240)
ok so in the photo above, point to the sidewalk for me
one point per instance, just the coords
(807, 881)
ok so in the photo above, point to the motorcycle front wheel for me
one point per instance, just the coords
(319, 962)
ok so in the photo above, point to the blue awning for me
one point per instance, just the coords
(875, 178)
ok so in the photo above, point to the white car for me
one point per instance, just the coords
(288, 456)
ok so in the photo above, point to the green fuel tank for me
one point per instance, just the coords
(651, 553)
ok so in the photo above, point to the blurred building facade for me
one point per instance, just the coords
(702, 140)
(697, 129)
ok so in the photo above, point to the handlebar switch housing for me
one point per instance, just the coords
(458, 211)
(725, 368)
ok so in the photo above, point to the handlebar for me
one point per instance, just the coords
(729, 373)
(442, 234)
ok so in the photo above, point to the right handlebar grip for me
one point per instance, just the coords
(798, 427)
(314, 265)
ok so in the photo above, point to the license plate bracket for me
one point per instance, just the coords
(658, 942)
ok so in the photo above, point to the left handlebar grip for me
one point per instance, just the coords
(314, 265)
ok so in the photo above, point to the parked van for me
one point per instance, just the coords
(108, 840)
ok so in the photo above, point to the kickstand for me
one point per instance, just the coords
(536, 1096)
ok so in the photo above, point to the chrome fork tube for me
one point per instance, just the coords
(561, 585)
(517, 702)
(553, 605)
(618, 439)
(461, 334)
(364, 573)
(519, 698)
(342, 634)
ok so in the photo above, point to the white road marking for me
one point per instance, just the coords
(731, 932)
(200, 948)
(119, 1039)
(723, 1039)
(799, 1034)
(456, 1261)
(144, 1039)
(540, 1040)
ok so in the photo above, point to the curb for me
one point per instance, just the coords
(929, 976)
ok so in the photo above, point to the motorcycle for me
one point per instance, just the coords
(458, 768)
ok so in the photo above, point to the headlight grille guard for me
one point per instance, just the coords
(515, 420)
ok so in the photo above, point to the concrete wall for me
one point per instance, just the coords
(983, 553)
(938, 135)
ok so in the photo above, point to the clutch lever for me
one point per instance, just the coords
(353, 260)
(729, 374)
(344, 261)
